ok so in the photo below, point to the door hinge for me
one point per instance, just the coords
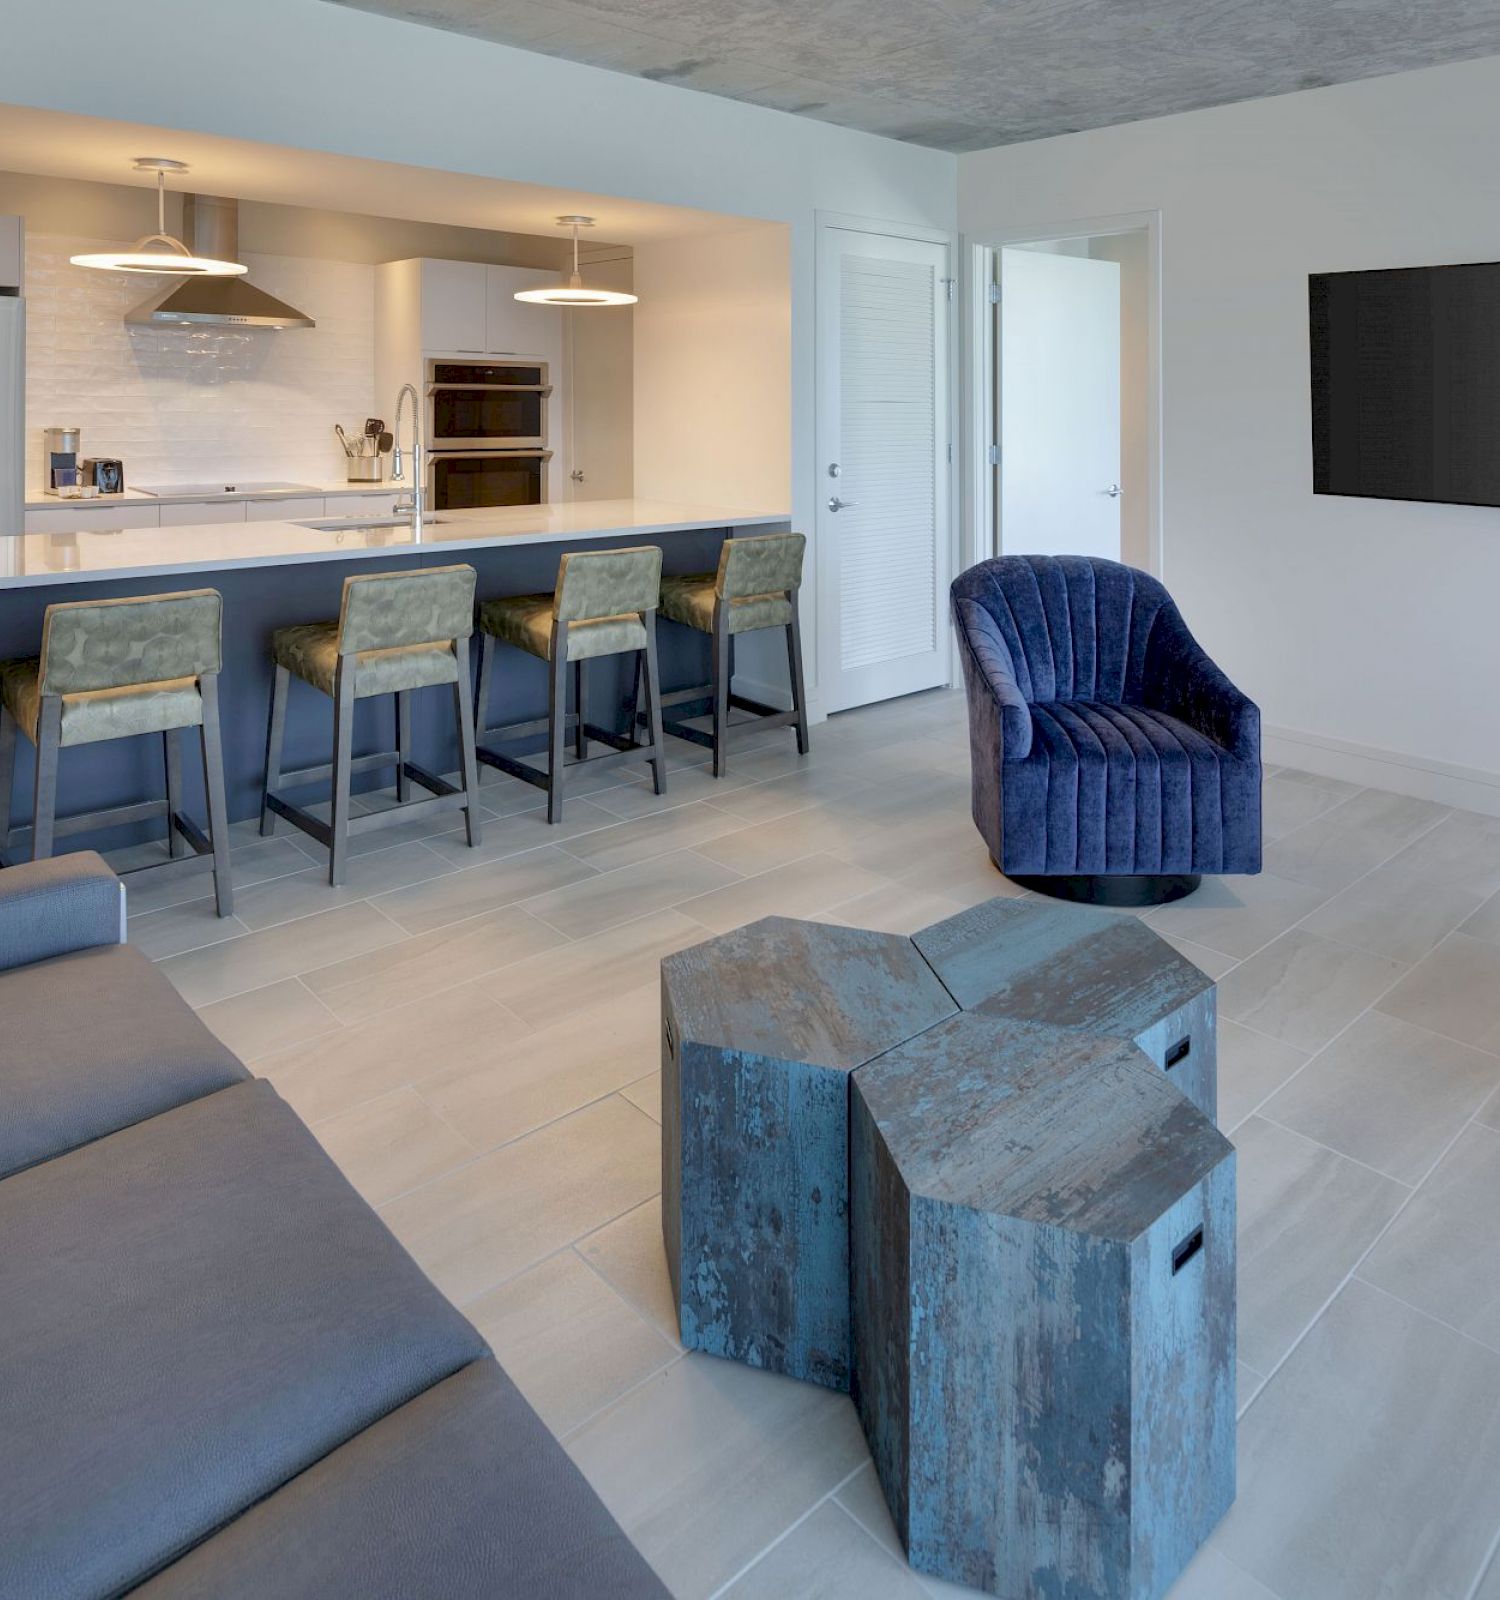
(950, 453)
(948, 289)
(994, 455)
(994, 294)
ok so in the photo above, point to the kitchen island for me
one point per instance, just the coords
(274, 573)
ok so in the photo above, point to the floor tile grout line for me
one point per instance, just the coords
(1424, 1314)
(785, 1534)
(1364, 1256)
(1343, 1155)
(1491, 1557)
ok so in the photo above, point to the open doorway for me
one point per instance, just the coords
(1067, 409)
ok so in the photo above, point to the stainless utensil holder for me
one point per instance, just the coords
(366, 469)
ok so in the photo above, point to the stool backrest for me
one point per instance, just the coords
(607, 583)
(117, 644)
(766, 563)
(393, 610)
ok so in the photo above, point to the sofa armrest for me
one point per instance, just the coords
(989, 656)
(48, 908)
(1182, 680)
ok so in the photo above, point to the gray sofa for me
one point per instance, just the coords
(220, 1375)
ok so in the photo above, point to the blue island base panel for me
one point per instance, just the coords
(258, 600)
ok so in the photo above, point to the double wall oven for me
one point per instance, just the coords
(487, 433)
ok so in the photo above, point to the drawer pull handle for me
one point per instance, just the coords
(1178, 1053)
(1187, 1250)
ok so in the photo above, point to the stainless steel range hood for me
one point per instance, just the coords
(211, 224)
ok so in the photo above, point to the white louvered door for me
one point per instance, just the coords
(884, 474)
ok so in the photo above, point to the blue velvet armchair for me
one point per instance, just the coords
(1105, 744)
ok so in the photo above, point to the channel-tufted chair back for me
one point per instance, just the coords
(1076, 627)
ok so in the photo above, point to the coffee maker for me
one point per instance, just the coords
(60, 469)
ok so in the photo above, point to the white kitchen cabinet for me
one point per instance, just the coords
(79, 516)
(187, 514)
(365, 505)
(286, 509)
(454, 305)
(518, 327)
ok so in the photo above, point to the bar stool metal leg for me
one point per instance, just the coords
(275, 740)
(212, 744)
(799, 688)
(647, 666)
(468, 759)
(721, 678)
(172, 757)
(580, 705)
(7, 776)
(44, 804)
(343, 763)
(403, 744)
(557, 721)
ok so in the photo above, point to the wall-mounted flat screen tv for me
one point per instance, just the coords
(1406, 383)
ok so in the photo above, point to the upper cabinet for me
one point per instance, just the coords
(454, 300)
(468, 308)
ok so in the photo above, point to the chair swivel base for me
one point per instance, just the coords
(1112, 888)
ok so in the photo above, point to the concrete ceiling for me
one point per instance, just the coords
(968, 74)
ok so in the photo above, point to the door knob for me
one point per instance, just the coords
(1113, 491)
(835, 504)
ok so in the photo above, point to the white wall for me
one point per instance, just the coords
(713, 369)
(362, 85)
(1357, 622)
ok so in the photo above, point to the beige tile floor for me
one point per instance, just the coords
(473, 1036)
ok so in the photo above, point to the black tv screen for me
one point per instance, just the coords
(1406, 383)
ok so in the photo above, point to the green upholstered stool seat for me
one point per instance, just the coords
(689, 599)
(755, 588)
(604, 605)
(525, 620)
(396, 632)
(310, 651)
(92, 715)
(118, 669)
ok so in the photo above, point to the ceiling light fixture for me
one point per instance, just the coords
(574, 292)
(159, 251)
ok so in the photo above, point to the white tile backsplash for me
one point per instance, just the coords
(179, 405)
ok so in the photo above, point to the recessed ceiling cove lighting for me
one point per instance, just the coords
(159, 251)
(574, 292)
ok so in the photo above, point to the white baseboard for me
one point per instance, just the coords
(1471, 788)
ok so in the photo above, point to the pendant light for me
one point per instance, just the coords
(159, 251)
(574, 292)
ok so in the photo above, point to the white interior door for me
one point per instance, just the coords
(1059, 405)
(883, 448)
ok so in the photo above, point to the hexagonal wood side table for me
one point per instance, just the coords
(1043, 1246)
(760, 1031)
(1097, 971)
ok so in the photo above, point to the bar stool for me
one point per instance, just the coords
(117, 669)
(397, 631)
(755, 588)
(604, 605)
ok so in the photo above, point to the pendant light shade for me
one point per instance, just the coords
(160, 252)
(574, 291)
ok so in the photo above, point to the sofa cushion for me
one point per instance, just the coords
(195, 1310)
(92, 1042)
(461, 1493)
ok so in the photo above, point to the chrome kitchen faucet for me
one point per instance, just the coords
(418, 464)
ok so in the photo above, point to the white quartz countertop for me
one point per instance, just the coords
(40, 500)
(36, 559)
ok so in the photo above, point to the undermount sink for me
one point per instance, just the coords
(348, 524)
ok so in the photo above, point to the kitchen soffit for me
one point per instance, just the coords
(967, 74)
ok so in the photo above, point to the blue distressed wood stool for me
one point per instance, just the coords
(760, 1031)
(1097, 971)
(1043, 1254)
